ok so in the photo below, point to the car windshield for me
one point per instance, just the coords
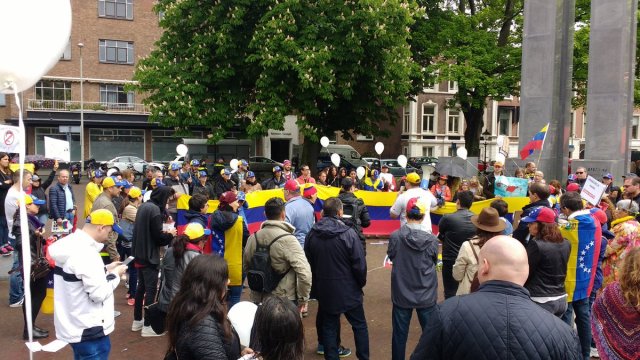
(391, 163)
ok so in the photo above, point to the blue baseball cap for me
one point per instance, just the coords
(250, 174)
(242, 196)
(277, 168)
(36, 201)
(225, 171)
(195, 163)
(202, 174)
(244, 162)
(607, 176)
(98, 173)
(126, 184)
(175, 166)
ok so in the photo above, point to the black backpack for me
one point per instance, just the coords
(351, 212)
(261, 276)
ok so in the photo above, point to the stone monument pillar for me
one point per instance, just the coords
(547, 58)
(612, 49)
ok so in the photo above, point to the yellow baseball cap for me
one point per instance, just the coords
(30, 199)
(413, 178)
(135, 192)
(108, 182)
(195, 231)
(103, 217)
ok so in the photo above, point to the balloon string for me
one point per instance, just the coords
(24, 227)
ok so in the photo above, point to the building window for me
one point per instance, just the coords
(115, 95)
(364, 137)
(116, 52)
(405, 150)
(163, 144)
(109, 143)
(66, 55)
(634, 127)
(452, 86)
(3, 100)
(116, 9)
(406, 118)
(504, 121)
(427, 151)
(428, 118)
(453, 121)
(54, 91)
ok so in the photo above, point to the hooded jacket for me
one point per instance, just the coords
(338, 265)
(414, 252)
(522, 231)
(196, 217)
(84, 290)
(172, 271)
(147, 230)
(229, 236)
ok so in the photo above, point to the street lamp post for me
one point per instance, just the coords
(485, 141)
(80, 46)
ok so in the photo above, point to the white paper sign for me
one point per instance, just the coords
(56, 149)
(592, 191)
(9, 139)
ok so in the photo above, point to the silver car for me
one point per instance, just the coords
(132, 162)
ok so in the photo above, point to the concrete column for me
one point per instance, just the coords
(547, 58)
(612, 48)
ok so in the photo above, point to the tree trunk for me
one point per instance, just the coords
(310, 151)
(474, 122)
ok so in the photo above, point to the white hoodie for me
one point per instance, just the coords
(83, 291)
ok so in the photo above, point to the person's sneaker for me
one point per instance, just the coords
(320, 350)
(17, 303)
(594, 353)
(9, 247)
(4, 251)
(147, 331)
(343, 351)
(131, 301)
(137, 325)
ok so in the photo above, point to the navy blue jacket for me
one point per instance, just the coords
(338, 265)
(58, 201)
(499, 321)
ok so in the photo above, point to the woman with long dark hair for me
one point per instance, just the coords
(548, 254)
(6, 176)
(277, 331)
(197, 321)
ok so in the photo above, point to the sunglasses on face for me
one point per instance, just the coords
(579, 172)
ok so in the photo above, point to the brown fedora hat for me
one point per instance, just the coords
(488, 220)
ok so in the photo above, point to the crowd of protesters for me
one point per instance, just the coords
(508, 282)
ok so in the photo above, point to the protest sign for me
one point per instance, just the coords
(56, 149)
(592, 191)
(10, 136)
(511, 187)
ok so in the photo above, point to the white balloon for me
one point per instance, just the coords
(379, 148)
(501, 158)
(335, 159)
(324, 141)
(462, 153)
(36, 33)
(182, 150)
(241, 317)
(360, 172)
(234, 164)
(402, 160)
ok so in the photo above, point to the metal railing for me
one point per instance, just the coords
(74, 106)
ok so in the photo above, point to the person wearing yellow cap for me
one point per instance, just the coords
(131, 204)
(110, 189)
(84, 299)
(35, 241)
(414, 190)
(93, 190)
(184, 248)
(412, 247)
(490, 180)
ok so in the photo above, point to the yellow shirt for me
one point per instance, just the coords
(92, 192)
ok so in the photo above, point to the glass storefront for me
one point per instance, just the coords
(105, 144)
(164, 142)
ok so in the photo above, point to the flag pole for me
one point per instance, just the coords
(542, 147)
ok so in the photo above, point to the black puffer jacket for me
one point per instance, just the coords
(147, 230)
(497, 322)
(206, 341)
(547, 267)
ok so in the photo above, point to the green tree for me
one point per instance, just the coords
(476, 44)
(338, 65)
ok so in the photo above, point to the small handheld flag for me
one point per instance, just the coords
(535, 144)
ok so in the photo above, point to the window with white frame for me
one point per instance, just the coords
(364, 137)
(406, 118)
(428, 118)
(452, 86)
(634, 127)
(116, 52)
(115, 95)
(432, 85)
(116, 9)
(504, 121)
(53, 90)
(427, 151)
(453, 121)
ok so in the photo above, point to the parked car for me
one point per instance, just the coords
(370, 160)
(262, 166)
(324, 160)
(397, 170)
(132, 162)
(417, 162)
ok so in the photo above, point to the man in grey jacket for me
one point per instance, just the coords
(110, 189)
(287, 256)
(414, 283)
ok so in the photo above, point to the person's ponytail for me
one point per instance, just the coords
(179, 245)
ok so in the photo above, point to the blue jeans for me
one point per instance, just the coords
(69, 216)
(4, 230)
(583, 323)
(330, 327)
(97, 349)
(16, 286)
(233, 295)
(401, 318)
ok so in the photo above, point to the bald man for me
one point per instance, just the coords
(499, 321)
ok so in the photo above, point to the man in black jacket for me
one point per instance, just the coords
(339, 272)
(356, 213)
(148, 236)
(453, 230)
(538, 196)
(499, 321)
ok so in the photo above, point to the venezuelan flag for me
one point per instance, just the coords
(535, 144)
(583, 259)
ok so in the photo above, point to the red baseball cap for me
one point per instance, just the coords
(292, 185)
(309, 191)
(541, 214)
(573, 187)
